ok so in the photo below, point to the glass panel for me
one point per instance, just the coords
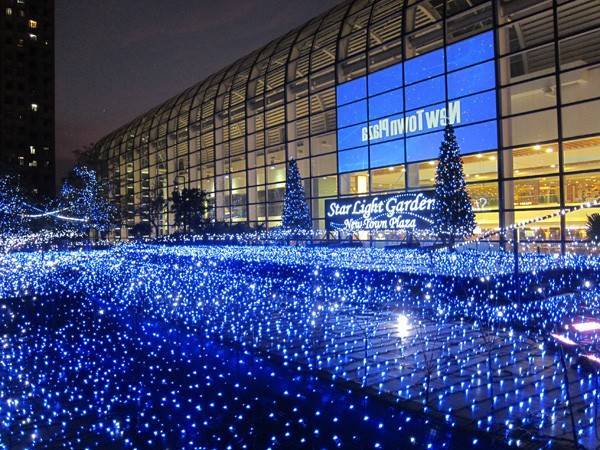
(526, 33)
(544, 230)
(323, 143)
(424, 40)
(532, 192)
(529, 96)
(484, 196)
(577, 16)
(324, 186)
(581, 188)
(528, 64)
(580, 50)
(276, 174)
(528, 161)
(425, 66)
(422, 175)
(298, 149)
(354, 183)
(580, 84)
(351, 91)
(509, 11)
(481, 166)
(388, 179)
(352, 160)
(324, 165)
(486, 221)
(576, 223)
(581, 118)
(385, 80)
(530, 128)
(352, 113)
(470, 22)
(582, 154)
(238, 180)
(387, 153)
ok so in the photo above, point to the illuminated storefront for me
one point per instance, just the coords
(360, 95)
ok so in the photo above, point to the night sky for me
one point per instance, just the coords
(115, 59)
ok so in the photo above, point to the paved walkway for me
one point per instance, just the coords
(461, 365)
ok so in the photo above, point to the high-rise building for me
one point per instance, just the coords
(360, 95)
(27, 93)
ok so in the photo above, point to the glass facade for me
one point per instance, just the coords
(359, 97)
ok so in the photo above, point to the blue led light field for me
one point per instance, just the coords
(149, 345)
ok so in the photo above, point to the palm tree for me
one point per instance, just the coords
(593, 227)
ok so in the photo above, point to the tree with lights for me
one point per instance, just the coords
(85, 199)
(11, 204)
(190, 207)
(453, 216)
(296, 214)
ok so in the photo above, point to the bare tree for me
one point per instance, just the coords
(88, 156)
(153, 209)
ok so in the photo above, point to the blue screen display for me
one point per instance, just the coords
(396, 115)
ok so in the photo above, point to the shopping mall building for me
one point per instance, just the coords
(360, 95)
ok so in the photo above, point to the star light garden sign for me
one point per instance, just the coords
(408, 211)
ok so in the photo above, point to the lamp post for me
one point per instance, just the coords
(595, 361)
(516, 265)
(562, 342)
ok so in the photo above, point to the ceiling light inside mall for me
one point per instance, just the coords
(537, 147)
(549, 150)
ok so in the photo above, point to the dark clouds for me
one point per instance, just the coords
(116, 59)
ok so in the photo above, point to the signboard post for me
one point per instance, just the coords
(405, 211)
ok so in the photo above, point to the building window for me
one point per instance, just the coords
(21, 161)
(33, 37)
(33, 163)
(32, 149)
(32, 23)
(9, 11)
(388, 179)
(582, 154)
(34, 107)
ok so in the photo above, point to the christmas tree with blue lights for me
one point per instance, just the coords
(453, 216)
(11, 204)
(296, 214)
(85, 197)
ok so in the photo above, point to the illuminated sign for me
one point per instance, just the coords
(397, 115)
(403, 211)
(418, 120)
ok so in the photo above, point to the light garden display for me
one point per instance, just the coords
(438, 333)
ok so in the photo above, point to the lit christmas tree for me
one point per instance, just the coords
(453, 216)
(83, 196)
(296, 215)
(11, 205)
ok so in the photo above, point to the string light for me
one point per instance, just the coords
(451, 340)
